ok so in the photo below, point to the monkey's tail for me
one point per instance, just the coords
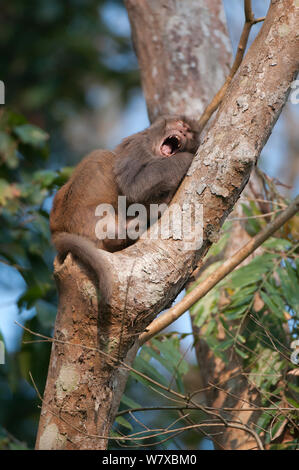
(89, 254)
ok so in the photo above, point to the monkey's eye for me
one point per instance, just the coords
(170, 145)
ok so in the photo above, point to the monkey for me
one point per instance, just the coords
(146, 168)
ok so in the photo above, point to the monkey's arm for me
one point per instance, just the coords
(143, 181)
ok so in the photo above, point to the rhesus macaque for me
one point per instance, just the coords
(146, 167)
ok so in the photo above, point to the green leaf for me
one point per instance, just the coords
(242, 296)
(218, 247)
(272, 306)
(170, 358)
(45, 177)
(264, 420)
(214, 345)
(11, 119)
(234, 314)
(241, 353)
(253, 272)
(144, 366)
(170, 349)
(253, 226)
(224, 345)
(204, 308)
(292, 402)
(278, 244)
(63, 175)
(212, 326)
(163, 361)
(289, 286)
(280, 421)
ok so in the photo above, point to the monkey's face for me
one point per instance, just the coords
(178, 137)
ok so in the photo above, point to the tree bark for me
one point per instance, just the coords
(84, 386)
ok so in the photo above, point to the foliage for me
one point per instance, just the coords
(25, 245)
(58, 49)
(24, 188)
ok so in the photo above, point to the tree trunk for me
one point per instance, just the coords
(235, 391)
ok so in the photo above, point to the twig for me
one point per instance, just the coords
(227, 267)
(259, 216)
(263, 200)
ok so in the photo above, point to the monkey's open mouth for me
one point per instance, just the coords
(170, 145)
